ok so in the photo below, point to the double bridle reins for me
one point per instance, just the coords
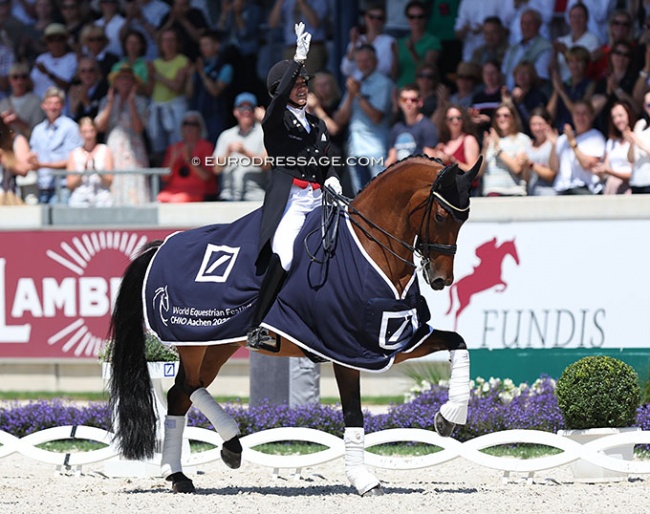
(334, 203)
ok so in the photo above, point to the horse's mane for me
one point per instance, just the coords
(397, 164)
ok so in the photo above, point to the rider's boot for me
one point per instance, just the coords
(258, 338)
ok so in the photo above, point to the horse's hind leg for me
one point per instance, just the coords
(355, 469)
(199, 367)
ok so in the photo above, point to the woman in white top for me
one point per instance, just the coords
(90, 189)
(639, 153)
(539, 174)
(616, 169)
(504, 151)
(385, 45)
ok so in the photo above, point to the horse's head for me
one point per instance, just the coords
(509, 248)
(446, 209)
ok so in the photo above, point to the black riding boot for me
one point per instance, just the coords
(258, 338)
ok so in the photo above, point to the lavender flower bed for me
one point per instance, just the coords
(495, 405)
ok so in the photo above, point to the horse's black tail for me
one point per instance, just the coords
(131, 399)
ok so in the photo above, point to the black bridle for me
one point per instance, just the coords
(334, 203)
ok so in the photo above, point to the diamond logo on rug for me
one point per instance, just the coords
(397, 328)
(218, 262)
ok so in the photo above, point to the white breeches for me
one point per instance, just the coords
(300, 203)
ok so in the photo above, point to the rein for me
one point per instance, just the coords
(335, 203)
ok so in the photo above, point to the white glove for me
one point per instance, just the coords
(303, 39)
(334, 184)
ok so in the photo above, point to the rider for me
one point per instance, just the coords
(290, 136)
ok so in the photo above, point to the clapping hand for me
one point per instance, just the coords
(303, 40)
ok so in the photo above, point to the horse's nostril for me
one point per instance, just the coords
(438, 284)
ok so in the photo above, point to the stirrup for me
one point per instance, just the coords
(258, 338)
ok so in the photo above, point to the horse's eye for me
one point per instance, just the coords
(440, 217)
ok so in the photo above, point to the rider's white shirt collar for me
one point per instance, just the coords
(301, 116)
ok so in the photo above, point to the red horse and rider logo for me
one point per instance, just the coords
(485, 276)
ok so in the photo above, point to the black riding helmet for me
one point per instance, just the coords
(277, 72)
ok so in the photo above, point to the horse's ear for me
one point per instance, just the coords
(470, 175)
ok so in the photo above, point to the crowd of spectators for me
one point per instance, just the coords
(553, 94)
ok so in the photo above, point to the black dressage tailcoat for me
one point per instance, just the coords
(285, 138)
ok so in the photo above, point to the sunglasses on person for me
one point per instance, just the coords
(503, 115)
(621, 53)
(425, 75)
(404, 100)
(416, 16)
(189, 123)
(245, 108)
(17, 76)
(454, 118)
(621, 23)
(375, 17)
(95, 39)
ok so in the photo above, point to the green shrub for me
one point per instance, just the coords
(154, 351)
(598, 391)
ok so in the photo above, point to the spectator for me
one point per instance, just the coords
(314, 14)
(577, 87)
(190, 178)
(167, 82)
(488, 96)
(145, 16)
(242, 179)
(533, 48)
(442, 16)
(418, 46)
(527, 93)
(90, 189)
(494, 44)
(469, 23)
(73, 21)
(466, 79)
(14, 166)
(322, 102)
(427, 81)
(416, 134)
(578, 36)
(504, 151)
(539, 175)
(51, 142)
(616, 169)
(598, 15)
(240, 21)
(457, 141)
(620, 29)
(112, 21)
(33, 42)
(576, 154)
(84, 96)
(21, 110)
(639, 152)
(94, 44)
(134, 48)
(372, 32)
(189, 24)
(617, 86)
(514, 10)
(57, 66)
(366, 106)
(123, 117)
(209, 84)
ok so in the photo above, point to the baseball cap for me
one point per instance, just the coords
(246, 98)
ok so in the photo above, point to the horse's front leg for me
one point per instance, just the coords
(348, 381)
(454, 411)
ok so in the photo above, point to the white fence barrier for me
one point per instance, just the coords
(451, 449)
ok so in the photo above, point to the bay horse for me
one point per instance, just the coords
(414, 208)
(486, 275)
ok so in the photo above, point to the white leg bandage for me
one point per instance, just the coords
(455, 410)
(172, 445)
(225, 426)
(355, 469)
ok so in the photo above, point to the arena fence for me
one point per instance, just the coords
(471, 450)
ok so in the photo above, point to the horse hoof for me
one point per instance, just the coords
(181, 484)
(231, 459)
(375, 491)
(443, 427)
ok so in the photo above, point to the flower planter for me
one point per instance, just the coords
(585, 471)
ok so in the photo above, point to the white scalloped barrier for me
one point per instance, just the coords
(451, 449)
